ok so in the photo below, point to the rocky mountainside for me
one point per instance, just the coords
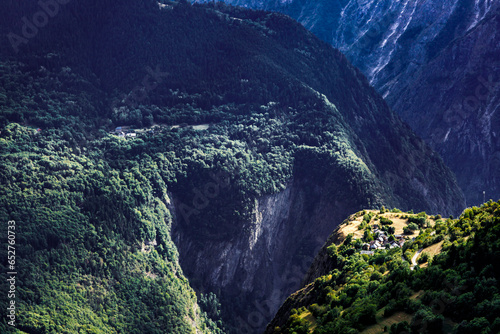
(236, 133)
(435, 62)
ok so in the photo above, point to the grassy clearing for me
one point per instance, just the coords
(352, 227)
(201, 127)
(417, 295)
(399, 223)
(307, 316)
(432, 251)
(393, 319)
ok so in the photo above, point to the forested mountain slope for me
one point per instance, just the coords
(93, 251)
(247, 140)
(452, 286)
(435, 62)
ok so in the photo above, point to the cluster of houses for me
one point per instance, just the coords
(382, 241)
(125, 131)
(149, 245)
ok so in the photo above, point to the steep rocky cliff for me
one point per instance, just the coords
(453, 102)
(437, 64)
(260, 266)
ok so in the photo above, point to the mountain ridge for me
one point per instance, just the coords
(415, 53)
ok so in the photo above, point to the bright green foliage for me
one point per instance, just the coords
(460, 285)
(386, 221)
(368, 217)
(389, 229)
(424, 257)
(83, 230)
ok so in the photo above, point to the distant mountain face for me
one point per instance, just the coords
(291, 139)
(435, 62)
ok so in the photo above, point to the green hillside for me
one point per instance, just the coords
(92, 241)
(453, 289)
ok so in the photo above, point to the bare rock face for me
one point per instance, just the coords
(458, 92)
(435, 62)
(267, 261)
